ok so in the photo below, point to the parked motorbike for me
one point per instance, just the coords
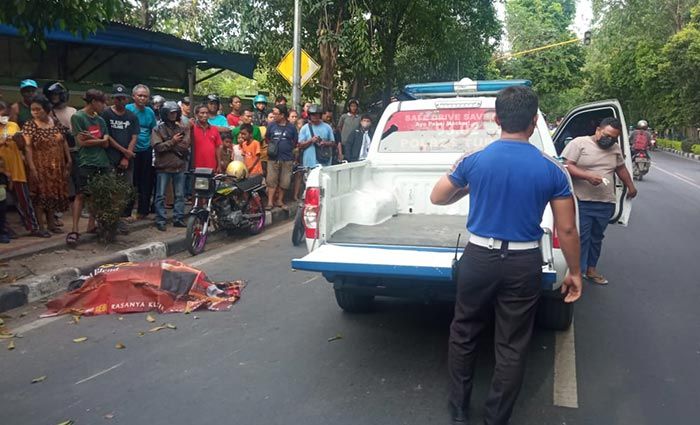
(640, 164)
(223, 202)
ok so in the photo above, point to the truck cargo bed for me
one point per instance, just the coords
(407, 229)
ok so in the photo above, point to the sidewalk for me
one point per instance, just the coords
(35, 268)
(681, 153)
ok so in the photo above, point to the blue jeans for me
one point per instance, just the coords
(179, 189)
(593, 219)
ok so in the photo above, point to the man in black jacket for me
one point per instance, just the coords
(358, 143)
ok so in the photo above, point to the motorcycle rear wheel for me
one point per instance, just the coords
(196, 237)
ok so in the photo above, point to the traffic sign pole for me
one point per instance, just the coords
(296, 79)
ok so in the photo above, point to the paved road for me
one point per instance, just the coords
(269, 361)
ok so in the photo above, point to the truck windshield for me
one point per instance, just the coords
(442, 130)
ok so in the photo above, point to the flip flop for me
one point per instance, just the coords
(597, 279)
(72, 239)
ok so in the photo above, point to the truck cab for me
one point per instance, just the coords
(371, 229)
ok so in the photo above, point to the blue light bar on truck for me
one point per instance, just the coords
(463, 87)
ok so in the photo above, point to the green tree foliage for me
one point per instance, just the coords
(637, 48)
(367, 48)
(557, 72)
(33, 17)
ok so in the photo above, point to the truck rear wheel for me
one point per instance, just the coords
(553, 313)
(353, 303)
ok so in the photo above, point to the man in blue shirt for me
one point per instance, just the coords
(510, 182)
(281, 138)
(317, 141)
(143, 161)
(215, 118)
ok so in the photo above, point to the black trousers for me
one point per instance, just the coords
(144, 175)
(506, 283)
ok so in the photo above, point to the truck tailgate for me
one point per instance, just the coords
(424, 263)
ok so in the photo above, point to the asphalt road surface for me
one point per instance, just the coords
(632, 357)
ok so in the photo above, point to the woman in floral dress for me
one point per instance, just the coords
(49, 164)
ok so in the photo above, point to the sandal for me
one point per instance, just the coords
(40, 234)
(268, 207)
(57, 230)
(92, 231)
(72, 239)
(283, 207)
(598, 279)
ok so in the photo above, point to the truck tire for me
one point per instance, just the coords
(353, 303)
(553, 313)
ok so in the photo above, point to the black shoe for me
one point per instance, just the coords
(179, 223)
(161, 227)
(457, 414)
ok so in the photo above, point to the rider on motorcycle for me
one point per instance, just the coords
(640, 139)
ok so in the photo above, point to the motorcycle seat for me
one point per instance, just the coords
(250, 183)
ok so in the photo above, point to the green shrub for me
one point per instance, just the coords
(670, 144)
(695, 149)
(108, 197)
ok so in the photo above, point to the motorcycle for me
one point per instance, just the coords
(640, 164)
(223, 203)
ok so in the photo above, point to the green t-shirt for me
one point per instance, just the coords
(90, 156)
(256, 134)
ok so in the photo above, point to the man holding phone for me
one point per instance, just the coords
(171, 144)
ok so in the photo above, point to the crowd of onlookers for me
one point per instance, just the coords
(49, 151)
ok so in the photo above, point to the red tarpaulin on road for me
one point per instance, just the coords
(167, 286)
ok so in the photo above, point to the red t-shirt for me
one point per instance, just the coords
(206, 141)
(233, 120)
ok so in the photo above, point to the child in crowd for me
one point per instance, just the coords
(251, 150)
(227, 144)
(5, 184)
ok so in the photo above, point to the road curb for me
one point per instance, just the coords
(683, 154)
(40, 287)
(59, 242)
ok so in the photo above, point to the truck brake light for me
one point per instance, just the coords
(311, 209)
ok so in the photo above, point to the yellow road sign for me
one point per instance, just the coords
(308, 67)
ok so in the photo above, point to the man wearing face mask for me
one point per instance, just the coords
(592, 161)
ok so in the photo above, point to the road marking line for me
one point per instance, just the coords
(676, 177)
(684, 177)
(262, 238)
(565, 385)
(35, 324)
(99, 373)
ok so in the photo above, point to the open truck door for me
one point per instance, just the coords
(582, 121)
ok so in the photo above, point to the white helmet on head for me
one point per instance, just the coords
(642, 124)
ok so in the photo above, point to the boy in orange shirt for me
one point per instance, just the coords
(251, 150)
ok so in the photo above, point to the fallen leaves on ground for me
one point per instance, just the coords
(4, 335)
(81, 339)
(163, 326)
(39, 379)
(335, 338)
(170, 326)
(11, 345)
(109, 416)
(150, 318)
(76, 320)
(69, 422)
(120, 346)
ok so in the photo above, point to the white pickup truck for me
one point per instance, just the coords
(371, 229)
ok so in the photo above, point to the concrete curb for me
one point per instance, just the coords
(40, 287)
(683, 154)
(59, 242)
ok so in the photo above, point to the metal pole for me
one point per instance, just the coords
(296, 79)
(191, 74)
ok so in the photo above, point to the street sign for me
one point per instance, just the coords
(309, 67)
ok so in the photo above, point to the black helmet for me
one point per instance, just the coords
(167, 108)
(213, 98)
(314, 109)
(51, 89)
